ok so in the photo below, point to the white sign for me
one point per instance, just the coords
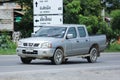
(48, 19)
(48, 7)
(6, 19)
(47, 12)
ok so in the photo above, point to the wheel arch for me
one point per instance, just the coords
(95, 45)
(60, 47)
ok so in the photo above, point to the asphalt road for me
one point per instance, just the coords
(107, 67)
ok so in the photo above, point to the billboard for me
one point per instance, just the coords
(48, 19)
(48, 7)
(48, 12)
(6, 19)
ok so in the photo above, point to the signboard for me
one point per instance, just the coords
(48, 19)
(48, 7)
(48, 12)
(6, 19)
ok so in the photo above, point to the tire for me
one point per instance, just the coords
(26, 60)
(93, 55)
(57, 57)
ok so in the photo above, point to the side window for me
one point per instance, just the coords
(72, 30)
(81, 31)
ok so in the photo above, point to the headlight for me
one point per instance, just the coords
(19, 43)
(46, 45)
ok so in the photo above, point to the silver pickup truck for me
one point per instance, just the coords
(59, 42)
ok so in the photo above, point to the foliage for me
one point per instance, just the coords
(5, 42)
(114, 47)
(74, 8)
(90, 7)
(25, 3)
(96, 26)
(91, 22)
(105, 29)
(71, 11)
(115, 5)
(116, 22)
(26, 28)
(7, 51)
(26, 24)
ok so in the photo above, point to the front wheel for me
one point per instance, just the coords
(57, 57)
(26, 60)
(93, 55)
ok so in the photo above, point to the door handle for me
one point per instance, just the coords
(86, 40)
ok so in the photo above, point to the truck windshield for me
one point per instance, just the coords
(58, 32)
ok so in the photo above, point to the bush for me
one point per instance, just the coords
(6, 42)
(114, 47)
(116, 22)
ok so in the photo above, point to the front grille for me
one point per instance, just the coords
(36, 45)
(31, 44)
(24, 44)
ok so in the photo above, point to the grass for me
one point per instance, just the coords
(7, 46)
(114, 47)
(7, 51)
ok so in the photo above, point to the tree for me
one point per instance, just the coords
(91, 22)
(26, 24)
(115, 4)
(74, 8)
(90, 7)
(71, 11)
(116, 22)
(25, 3)
(112, 5)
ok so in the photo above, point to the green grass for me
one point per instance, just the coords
(114, 47)
(7, 51)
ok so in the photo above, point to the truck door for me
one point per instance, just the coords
(72, 42)
(83, 40)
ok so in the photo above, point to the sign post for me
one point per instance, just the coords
(47, 12)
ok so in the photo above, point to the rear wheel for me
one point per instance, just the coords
(93, 55)
(26, 60)
(58, 57)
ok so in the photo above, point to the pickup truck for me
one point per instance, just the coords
(59, 42)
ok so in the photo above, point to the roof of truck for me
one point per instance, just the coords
(64, 25)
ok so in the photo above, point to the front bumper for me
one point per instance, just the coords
(35, 52)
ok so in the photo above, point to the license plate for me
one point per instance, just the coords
(30, 49)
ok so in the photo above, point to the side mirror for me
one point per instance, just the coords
(69, 36)
(32, 34)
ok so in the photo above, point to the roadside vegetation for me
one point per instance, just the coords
(7, 46)
(114, 47)
(87, 12)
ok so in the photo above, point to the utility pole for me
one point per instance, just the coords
(103, 13)
(103, 2)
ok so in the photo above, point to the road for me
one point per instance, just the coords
(106, 68)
